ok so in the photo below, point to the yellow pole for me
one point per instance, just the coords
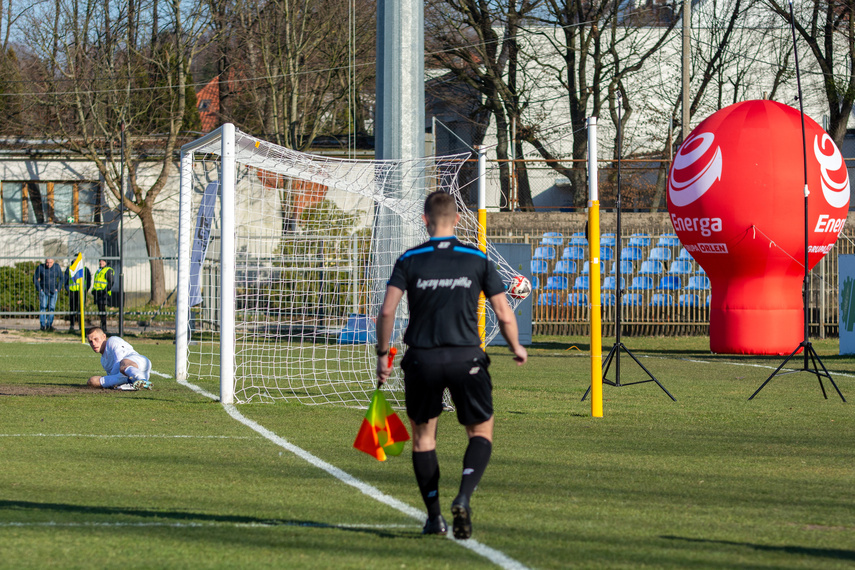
(596, 309)
(482, 236)
(82, 296)
(594, 274)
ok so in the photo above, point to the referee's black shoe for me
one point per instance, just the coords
(462, 513)
(435, 525)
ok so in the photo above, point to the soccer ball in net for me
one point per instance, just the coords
(520, 287)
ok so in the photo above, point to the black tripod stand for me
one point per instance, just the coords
(614, 353)
(809, 352)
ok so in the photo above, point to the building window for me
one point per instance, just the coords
(31, 202)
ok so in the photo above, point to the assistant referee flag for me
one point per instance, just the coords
(382, 433)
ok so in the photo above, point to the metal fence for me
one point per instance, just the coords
(663, 297)
(679, 306)
(19, 300)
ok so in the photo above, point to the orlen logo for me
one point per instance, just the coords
(684, 192)
(836, 193)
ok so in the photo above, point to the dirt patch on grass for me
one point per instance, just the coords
(49, 390)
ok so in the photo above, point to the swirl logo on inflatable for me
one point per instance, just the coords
(736, 200)
(683, 193)
(836, 193)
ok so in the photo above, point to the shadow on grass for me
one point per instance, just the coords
(176, 517)
(800, 550)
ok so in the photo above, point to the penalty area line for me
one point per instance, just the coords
(496, 557)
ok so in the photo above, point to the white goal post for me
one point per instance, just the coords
(283, 261)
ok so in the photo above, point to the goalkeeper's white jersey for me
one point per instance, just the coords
(116, 350)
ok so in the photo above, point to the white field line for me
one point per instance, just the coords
(496, 557)
(119, 436)
(270, 524)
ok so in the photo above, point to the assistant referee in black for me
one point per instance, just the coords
(443, 279)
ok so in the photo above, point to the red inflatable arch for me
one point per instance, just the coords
(736, 200)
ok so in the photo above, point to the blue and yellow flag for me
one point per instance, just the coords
(75, 270)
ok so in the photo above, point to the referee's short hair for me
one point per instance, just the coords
(440, 205)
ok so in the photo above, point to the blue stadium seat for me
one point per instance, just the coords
(641, 283)
(708, 300)
(607, 300)
(698, 283)
(651, 268)
(552, 238)
(607, 253)
(632, 300)
(639, 240)
(544, 252)
(608, 240)
(577, 300)
(578, 240)
(535, 282)
(670, 283)
(631, 254)
(610, 282)
(689, 300)
(564, 267)
(556, 283)
(668, 240)
(659, 254)
(662, 300)
(581, 283)
(547, 300)
(585, 268)
(538, 267)
(626, 267)
(680, 267)
(684, 254)
(573, 252)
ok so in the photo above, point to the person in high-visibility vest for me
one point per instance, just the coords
(102, 290)
(73, 288)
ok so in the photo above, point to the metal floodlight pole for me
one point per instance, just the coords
(122, 236)
(812, 362)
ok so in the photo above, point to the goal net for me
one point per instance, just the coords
(283, 263)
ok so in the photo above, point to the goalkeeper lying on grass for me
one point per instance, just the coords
(126, 368)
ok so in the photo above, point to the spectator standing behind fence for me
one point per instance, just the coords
(73, 288)
(102, 290)
(48, 281)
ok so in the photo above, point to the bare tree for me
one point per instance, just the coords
(828, 29)
(290, 69)
(478, 42)
(107, 64)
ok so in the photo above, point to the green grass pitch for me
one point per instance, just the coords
(167, 479)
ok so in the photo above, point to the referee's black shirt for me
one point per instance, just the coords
(443, 278)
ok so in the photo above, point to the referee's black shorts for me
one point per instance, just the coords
(461, 369)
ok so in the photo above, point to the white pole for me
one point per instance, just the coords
(185, 231)
(227, 265)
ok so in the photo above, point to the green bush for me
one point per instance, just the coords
(17, 291)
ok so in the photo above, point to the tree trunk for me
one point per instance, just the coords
(152, 246)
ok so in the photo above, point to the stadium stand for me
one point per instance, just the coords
(564, 267)
(670, 283)
(698, 283)
(573, 252)
(651, 268)
(641, 283)
(577, 300)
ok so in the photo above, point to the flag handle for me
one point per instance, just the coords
(392, 352)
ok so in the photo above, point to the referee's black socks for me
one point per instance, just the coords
(426, 467)
(474, 464)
